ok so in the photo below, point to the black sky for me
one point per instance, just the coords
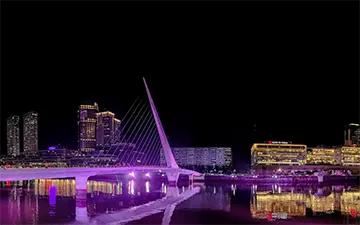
(214, 69)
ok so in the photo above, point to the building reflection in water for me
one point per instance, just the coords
(288, 202)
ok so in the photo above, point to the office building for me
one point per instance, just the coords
(278, 153)
(13, 135)
(200, 156)
(30, 131)
(87, 126)
(352, 134)
(350, 156)
(323, 156)
(106, 126)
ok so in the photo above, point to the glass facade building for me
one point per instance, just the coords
(87, 127)
(13, 135)
(30, 137)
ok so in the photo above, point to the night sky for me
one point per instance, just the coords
(227, 75)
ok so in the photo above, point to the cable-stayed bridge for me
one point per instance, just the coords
(134, 147)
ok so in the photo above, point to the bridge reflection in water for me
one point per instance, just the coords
(53, 200)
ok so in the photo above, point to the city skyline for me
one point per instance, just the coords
(201, 117)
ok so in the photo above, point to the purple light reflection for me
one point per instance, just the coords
(52, 195)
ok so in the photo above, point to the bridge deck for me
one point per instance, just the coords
(42, 173)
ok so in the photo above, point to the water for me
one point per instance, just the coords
(152, 201)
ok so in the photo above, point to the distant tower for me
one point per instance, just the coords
(13, 135)
(352, 134)
(30, 129)
(87, 126)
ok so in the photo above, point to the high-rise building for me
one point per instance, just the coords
(30, 129)
(105, 128)
(201, 156)
(352, 134)
(87, 126)
(13, 135)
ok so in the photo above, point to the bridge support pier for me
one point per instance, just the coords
(191, 179)
(173, 177)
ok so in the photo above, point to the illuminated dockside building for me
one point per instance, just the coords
(323, 156)
(350, 156)
(278, 153)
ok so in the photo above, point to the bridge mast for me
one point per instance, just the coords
(169, 157)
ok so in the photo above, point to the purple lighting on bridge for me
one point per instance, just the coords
(52, 148)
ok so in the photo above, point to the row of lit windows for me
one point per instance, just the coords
(88, 120)
(94, 107)
(87, 149)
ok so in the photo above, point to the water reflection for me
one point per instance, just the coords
(54, 200)
(47, 201)
(296, 202)
(210, 198)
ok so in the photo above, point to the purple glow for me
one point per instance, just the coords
(52, 195)
(147, 175)
(52, 148)
(132, 174)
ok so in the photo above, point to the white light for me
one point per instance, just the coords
(147, 174)
(147, 186)
(132, 174)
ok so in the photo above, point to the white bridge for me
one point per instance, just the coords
(81, 175)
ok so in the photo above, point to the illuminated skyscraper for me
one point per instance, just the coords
(87, 127)
(30, 127)
(13, 135)
(105, 128)
(352, 134)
